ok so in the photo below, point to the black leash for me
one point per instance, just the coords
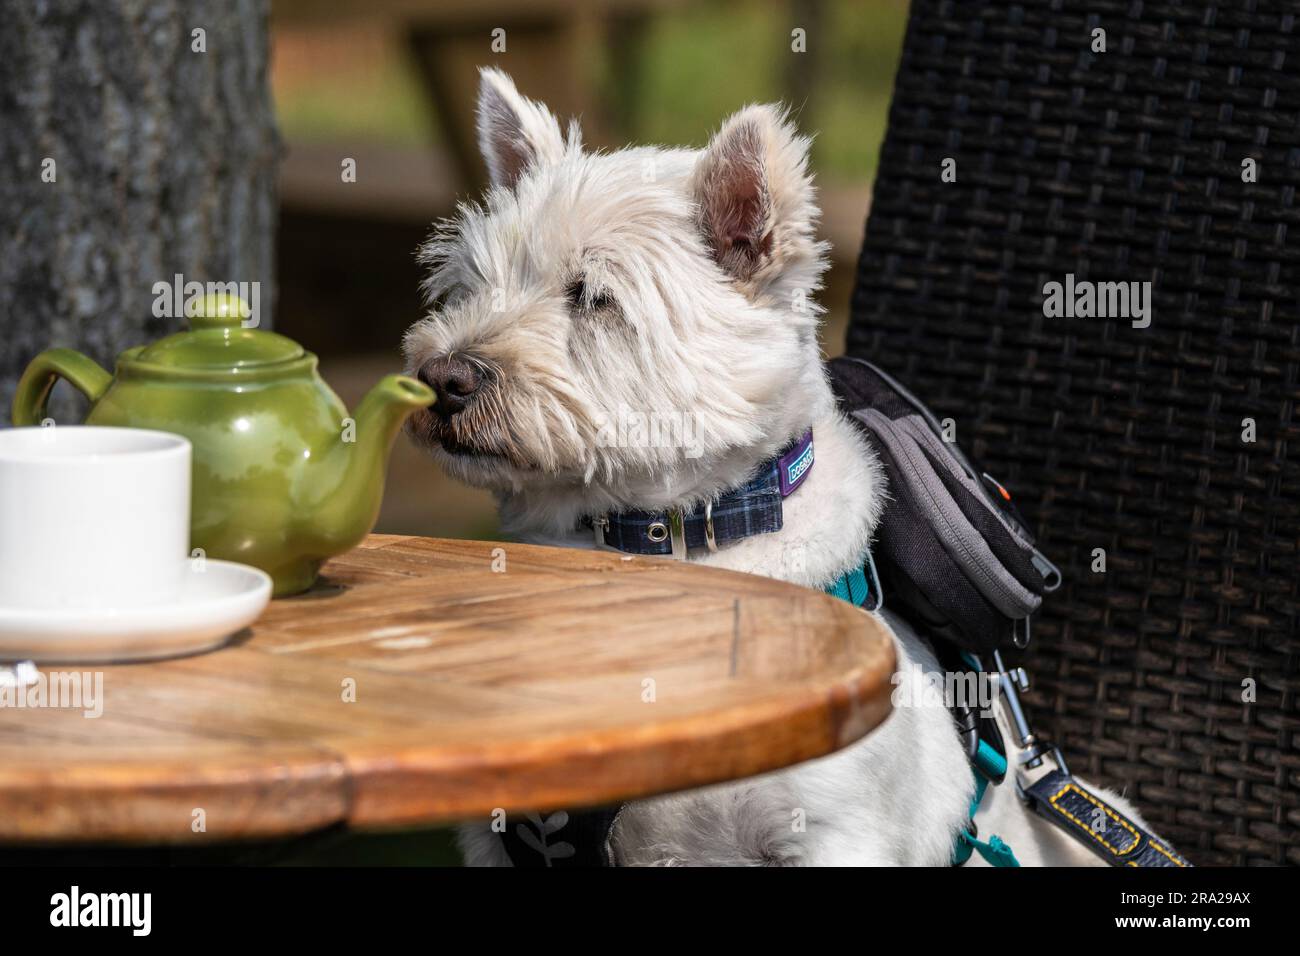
(1096, 824)
(1045, 784)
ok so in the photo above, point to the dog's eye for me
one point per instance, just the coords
(580, 299)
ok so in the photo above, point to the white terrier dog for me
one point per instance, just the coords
(676, 280)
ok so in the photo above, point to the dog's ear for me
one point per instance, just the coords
(754, 196)
(514, 133)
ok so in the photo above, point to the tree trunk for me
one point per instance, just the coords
(163, 162)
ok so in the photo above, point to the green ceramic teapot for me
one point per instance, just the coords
(283, 476)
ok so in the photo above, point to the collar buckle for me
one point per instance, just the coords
(710, 539)
(599, 525)
(677, 532)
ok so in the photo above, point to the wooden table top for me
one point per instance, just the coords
(418, 685)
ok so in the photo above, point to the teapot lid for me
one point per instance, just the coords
(218, 340)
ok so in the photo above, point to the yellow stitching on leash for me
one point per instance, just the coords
(1161, 849)
(1108, 811)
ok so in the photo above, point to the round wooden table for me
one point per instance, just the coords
(425, 681)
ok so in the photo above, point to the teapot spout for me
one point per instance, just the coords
(349, 512)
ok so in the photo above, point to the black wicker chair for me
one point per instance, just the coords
(1121, 166)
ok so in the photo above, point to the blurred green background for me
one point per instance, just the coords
(391, 85)
(343, 81)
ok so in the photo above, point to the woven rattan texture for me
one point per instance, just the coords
(1121, 166)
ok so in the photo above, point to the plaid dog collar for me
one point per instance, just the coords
(753, 508)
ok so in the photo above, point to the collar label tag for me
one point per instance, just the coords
(793, 466)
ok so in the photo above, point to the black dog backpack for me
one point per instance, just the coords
(953, 554)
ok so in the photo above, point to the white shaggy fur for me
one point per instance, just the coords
(668, 279)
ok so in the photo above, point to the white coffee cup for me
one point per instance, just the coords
(92, 517)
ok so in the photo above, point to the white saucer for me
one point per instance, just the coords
(213, 605)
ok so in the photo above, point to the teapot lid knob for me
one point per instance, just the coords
(225, 339)
(220, 311)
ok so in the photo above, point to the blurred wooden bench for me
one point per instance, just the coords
(552, 49)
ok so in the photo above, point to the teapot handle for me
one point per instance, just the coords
(44, 371)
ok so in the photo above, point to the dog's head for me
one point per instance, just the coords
(621, 321)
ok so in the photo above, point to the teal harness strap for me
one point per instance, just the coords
(860, 585)
(989, 764)
(855, 587)
(995, 852)
(851, 586)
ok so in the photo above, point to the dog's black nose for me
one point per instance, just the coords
(454, 380)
